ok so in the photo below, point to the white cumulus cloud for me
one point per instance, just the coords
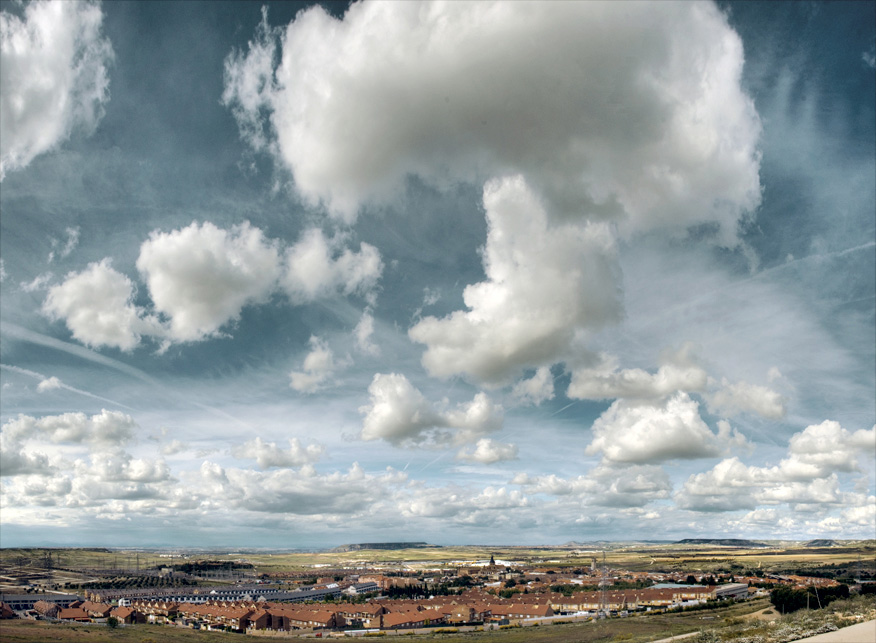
(606, 381)
(49, 384)
(317, 267)
(318, 367)
(536, 389)
(53, 77)
(807, 476)
(544, 284)
(400, 414)
(268, 454)
(488, 451)
(646, 432)
(104, 428)
(740, 397)
(201, 276)
(435, 88)
(97, 306)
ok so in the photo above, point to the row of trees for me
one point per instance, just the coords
(788, 600)
(132, 583)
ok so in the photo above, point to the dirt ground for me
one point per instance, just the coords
(860, 633)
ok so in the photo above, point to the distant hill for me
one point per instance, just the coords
(360, 546)
(821, 542)
(722, 542)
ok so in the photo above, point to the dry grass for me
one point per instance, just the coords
(636, 629)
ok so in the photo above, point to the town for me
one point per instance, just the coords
(233, 594)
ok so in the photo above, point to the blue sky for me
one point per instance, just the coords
(289, 276)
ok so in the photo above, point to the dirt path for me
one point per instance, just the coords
(679, 637)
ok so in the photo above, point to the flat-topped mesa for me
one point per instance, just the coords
(360, 546)
(723, 542)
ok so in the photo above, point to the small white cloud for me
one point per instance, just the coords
(49, 384)
(173, 447)
(317, 267)
(318, 367)
(489, 451)
(40, 282)
(430, 296)
(869, 58)
(399, 414)
(69, 245)
(536, 389)
(363, 332)
(249, 84)
(742, 397)
(53, 77)
(268, 454)
(607, 382)
(97, 306)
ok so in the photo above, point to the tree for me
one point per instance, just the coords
(788, 600)
(112, 622)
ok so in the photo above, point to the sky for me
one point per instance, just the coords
(292, 276)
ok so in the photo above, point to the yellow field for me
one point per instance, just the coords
(636, 557)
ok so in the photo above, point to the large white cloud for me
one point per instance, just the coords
(53, 77)
(567, 126)
(614, 111)
(808, 475)
(401, 415)
(544, 285)
(649, 432)
(824, 448)
(202, 276)
(97, 306)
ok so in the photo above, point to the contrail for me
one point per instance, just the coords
(41, 377)
(564, 408)
(23, 334)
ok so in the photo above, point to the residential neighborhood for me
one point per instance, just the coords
(471, 594)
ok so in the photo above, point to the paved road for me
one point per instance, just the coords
(860, 633)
